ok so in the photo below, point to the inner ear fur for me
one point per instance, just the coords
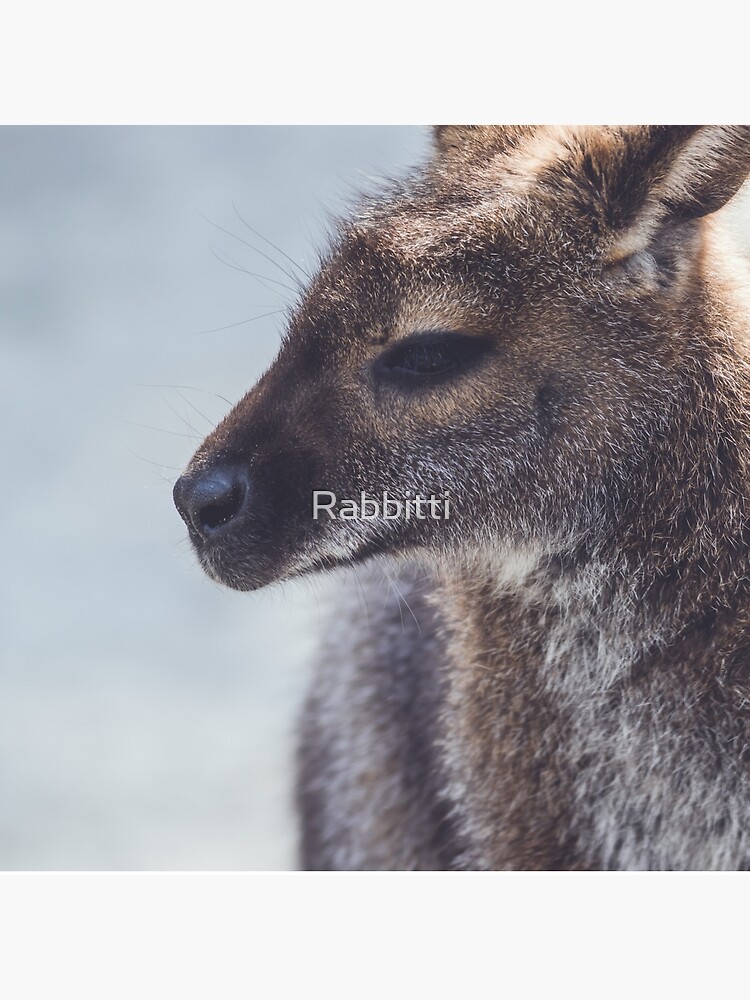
(706, 170)
(661, 174)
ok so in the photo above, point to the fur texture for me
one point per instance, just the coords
(564, 680)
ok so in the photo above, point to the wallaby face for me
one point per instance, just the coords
(547, 325)
(506, 328)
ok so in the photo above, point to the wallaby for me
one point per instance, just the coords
(547, 326)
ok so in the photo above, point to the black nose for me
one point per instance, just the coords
(211, 499)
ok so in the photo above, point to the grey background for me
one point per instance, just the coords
(146, 715)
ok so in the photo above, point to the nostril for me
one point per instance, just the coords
(221, 510)
(209, 500)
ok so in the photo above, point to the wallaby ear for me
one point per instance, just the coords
(464, 143)
(649, 178)
(706, 170)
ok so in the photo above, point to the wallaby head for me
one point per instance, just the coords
(515, 326)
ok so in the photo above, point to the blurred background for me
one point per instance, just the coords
(147, 715)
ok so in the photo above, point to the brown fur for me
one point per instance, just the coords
(571, 686)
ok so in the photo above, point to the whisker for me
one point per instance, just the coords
(270, 243)
(400, 597)
(200, 414)
(231, 326)
(159, 465)
(161, 430)
(262, 278)
(192, 388)
(179, 416)
(362, 598)
(289, 274)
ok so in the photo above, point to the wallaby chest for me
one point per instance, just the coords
(571, 745)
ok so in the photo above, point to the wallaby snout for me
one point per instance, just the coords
(211, 501)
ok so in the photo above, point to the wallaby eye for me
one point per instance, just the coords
(431, 355)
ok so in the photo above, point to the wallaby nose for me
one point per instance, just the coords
(210, 500)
